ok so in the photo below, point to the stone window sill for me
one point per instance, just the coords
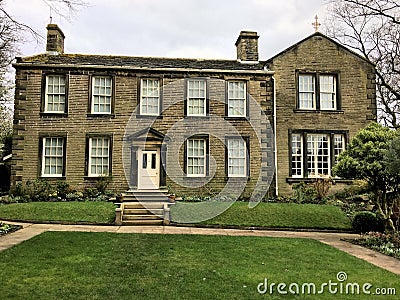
(314, 111)
(104, 116)
(46, 115)
(292, 180)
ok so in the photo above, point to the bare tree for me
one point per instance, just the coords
(372, 28)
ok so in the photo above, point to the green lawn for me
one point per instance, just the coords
(270, 215)
(76, 265)
(70, 212)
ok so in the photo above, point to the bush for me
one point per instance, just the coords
(102, 184)
(63, 189)
(313, 193)
(40, 190)
(367, 221)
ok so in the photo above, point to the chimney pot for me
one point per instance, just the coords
(55, 39)
(247, 46)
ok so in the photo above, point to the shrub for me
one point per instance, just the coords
(367, 221)
(102, 184)
(18, 191)
(63, 189)
(90, 192)
(304, 193)
(39, 190)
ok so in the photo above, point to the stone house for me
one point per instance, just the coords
(246, 127)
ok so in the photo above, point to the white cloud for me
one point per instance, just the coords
(191, 28)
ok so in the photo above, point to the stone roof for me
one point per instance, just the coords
(137, 62)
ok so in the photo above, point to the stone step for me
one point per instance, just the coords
(141, 217)
(143, 211)
(161, 191)
(142, 222)
(143, 205)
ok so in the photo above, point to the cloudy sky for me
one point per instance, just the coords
(173, 28)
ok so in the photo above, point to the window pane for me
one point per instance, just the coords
(149, 97)
(236, 98)
(327, 91)
(318, 155)
(55, 94)
(339, 145)
(196, 157)
(53, 156)
(99, 156)
(196, 102)
(101, 94)
(297, 156)
(144, 161)
(236, 158)
(306, 91)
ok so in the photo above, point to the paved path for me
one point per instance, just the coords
(333, 239)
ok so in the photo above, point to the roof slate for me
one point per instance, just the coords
(138, 62)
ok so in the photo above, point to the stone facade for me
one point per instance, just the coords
(132, 133)
(355, 91)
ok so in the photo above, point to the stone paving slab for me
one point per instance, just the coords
(333, 239)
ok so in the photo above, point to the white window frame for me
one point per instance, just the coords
(61, 93)
(304, 88)
(314, 152)
(242, 159)
(190, 145)
(297, 152)
(107, 96)
(146, 95)
(53, 156)
(234, 97)
(99, 156)
(339, 145)
(336, 144)
(330, 92)
(319, 93)
(201, 96)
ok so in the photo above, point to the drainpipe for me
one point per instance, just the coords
(275, 143)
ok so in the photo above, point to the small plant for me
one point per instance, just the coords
(7, 228)
(75, 196)
(90, 192)
(367, 221)
(322, 186)
(102, 184)
(38, 190)
(386, 243)
(62, 189)
(304, 193)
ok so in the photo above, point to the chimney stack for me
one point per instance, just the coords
(247, 46)
(55, 39)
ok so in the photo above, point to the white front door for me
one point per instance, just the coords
(148, 169)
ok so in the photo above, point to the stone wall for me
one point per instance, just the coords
(357, 89)
(30, 124)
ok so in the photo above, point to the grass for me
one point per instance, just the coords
(76, 265)
(270, 215)
(69, 212)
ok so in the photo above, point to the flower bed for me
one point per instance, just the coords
(7, 228)
(386, 243)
